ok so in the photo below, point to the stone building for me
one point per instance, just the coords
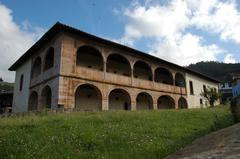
(73, 69)
(225, 88)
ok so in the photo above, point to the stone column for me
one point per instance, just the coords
(173, 75)
(176, 98)
(155, 106)
(153, 73)
(176, 105)
(133, 105)
(155, 101)
(39, 105)
(105, 105)
(131, 76)
(104, 70)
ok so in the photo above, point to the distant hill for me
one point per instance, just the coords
(217, 70)
(6, 87)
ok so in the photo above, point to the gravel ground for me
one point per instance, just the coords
(223, 144)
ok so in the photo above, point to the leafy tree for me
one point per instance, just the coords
(211, 95)
(4, 86)
(217, 70)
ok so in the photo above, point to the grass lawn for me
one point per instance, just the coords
(139, 134)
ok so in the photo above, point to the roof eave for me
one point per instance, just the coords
(51, 32)
(57, 27)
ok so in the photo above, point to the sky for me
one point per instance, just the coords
(180, 31)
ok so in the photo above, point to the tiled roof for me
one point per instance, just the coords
(59, 27)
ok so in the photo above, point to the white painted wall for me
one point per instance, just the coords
(20, 98)
(194, 99)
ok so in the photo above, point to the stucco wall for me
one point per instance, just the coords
(46, 77)
(194, 99)
(54, 86)
(20, 98)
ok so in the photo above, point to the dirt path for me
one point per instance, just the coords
(223, 144)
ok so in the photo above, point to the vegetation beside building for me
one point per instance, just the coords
(122, 134)
(6, 87)
(218, 70)
(6, 96)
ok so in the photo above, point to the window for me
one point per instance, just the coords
(89, 57)
(21, 83)
(36, 68)
(191, 87)
(49, 59)
(163, 75)
(204, 88)
(142, 70)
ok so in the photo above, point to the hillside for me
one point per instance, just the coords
(217, 70)
(122, 134)
(5, 87)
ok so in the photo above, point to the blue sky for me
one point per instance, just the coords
(93, 16)
(181, 31)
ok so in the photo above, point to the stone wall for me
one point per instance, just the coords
(66, 75)
(69, 86)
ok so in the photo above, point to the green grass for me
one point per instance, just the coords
(139, 134)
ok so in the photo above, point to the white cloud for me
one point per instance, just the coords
(14, 41)
(156, 21)
(168, 24)
(218, 17)
(229, 59)
(185, 50)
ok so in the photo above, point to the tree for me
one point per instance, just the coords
(211, 95)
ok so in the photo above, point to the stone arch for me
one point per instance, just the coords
(119, 99)
(118, 64)
(49, 59)
(166, 102)
(36, 67)
(46, 97)
(88, 98)
(142, 70)
(33, 101)
(90, 57)
(182, 103)
(180, 80)
(144, 101)
(163, 75)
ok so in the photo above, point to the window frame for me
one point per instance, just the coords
(21, 82)
(191, 88)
